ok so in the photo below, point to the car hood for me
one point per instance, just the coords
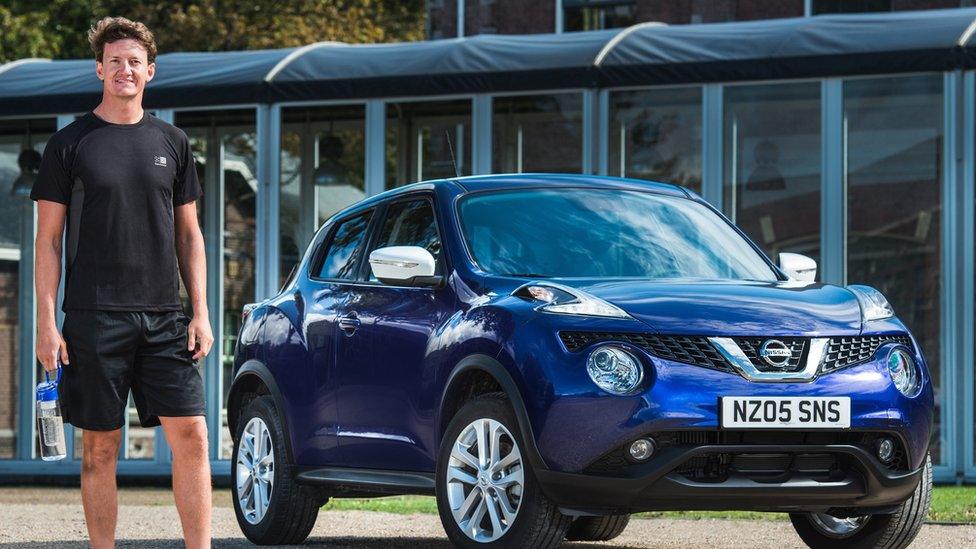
(733, 307)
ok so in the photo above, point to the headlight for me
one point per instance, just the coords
(874, 306)
(556, 298)
(614, 370)
(903, 371)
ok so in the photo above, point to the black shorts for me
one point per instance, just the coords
(112, 352)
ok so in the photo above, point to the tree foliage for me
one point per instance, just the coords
(57, 28)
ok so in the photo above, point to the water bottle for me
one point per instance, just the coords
(50, 426)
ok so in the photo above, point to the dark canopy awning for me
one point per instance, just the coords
(645, 54)
(835, 45)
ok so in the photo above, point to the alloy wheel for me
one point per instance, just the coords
(255, 470)
(485, 480)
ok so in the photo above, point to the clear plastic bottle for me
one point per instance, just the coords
(50, 426)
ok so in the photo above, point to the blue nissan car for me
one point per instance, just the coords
(547, 354)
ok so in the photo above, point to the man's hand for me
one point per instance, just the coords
(199, 336)
(49, 345)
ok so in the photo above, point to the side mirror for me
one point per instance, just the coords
(404, 266)
(798, 267)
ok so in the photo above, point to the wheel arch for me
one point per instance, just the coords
(255, 378)
(475, 375)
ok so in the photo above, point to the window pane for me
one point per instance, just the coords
(322, 171)
(9, 356)
(508, 16)
(604, 233)
(772, 165)
(538, 133)
(717, 12)
(344, 250)
(21, 145)
(425, 140)
(656, 135)
(411, 224)
(894, 193)
(584, 15)
(859, 6)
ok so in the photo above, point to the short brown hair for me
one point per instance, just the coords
(111, 29)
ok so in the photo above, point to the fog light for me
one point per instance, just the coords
(642, 449)
(886, 450)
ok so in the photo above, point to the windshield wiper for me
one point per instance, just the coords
(528, 275)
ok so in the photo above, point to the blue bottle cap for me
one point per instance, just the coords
(47, 390)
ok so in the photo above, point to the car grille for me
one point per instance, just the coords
(847, 351)
(841, 352)
(798, 353)
(687, 349)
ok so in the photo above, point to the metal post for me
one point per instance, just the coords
(559, 17)
(460, 18)
(953, 431)
(375, 146)
(308, 202)
(712, 152)
(590, 128)
(481, 135)
(833, 181)
(268, 162)
(603, 133)
(27, 320)
(967, 179)
(213, 235)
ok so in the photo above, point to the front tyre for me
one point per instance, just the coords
(597, 528)
(894, 531)
(487, 494)
(271, 508)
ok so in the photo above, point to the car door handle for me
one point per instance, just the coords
(349, 324)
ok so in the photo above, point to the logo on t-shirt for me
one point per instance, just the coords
(159, 161)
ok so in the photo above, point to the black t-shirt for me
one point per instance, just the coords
(121, 183)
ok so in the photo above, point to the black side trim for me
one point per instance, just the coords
(495, 369)
(259, 370)
(352, 481)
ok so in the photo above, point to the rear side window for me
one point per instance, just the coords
(342, 255)
(410, 223)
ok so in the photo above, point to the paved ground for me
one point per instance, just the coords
(52, 517)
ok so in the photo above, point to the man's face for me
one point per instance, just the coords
(125, 68)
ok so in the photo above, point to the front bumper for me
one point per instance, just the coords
(859, 482)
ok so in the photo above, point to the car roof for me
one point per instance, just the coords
(523, 180)
(478, 183)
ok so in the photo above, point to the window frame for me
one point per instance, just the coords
(442, 262)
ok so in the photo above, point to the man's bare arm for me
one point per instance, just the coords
(47, 276)
(192, 258)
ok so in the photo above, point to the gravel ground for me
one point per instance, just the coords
(52, 517)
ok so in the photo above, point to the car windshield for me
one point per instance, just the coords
(572, 232)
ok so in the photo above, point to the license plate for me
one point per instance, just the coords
(786, 412)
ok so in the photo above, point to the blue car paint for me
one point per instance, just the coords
(374, 402)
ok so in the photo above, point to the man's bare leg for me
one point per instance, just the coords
(187, 436)
(99, 496)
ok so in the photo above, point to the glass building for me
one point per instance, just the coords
(848, 138)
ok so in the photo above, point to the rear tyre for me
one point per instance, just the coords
(271, 508)
(487, 493)
(893, 531)
(597, 528)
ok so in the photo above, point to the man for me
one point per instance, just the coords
(126, 185)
